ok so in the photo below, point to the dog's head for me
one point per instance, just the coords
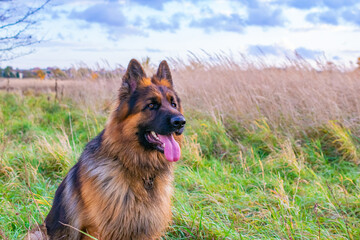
(150, 111)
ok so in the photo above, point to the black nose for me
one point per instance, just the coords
(178, 121)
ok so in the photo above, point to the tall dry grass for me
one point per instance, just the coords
(294, 96)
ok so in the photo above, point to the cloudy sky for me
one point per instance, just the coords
(111, 32)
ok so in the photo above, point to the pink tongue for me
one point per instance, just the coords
(172, 149)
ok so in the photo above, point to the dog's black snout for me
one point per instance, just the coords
(178, 121)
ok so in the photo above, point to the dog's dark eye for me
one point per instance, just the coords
(152, 106)
(173, 105)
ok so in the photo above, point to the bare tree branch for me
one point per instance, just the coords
(15, 28)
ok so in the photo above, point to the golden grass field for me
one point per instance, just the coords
(34, 84)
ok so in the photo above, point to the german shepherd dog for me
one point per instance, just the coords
(121, 186)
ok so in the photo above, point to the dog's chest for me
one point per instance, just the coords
(131, 208)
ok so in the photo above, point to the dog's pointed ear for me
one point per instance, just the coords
(164, 72)
(133, 75)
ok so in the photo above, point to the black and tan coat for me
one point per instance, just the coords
(121, 186)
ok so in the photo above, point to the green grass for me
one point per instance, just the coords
(233, 182)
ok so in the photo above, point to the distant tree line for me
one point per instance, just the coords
(9, 72)
(57, 73)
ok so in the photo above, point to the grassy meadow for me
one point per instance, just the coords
(269, 153)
